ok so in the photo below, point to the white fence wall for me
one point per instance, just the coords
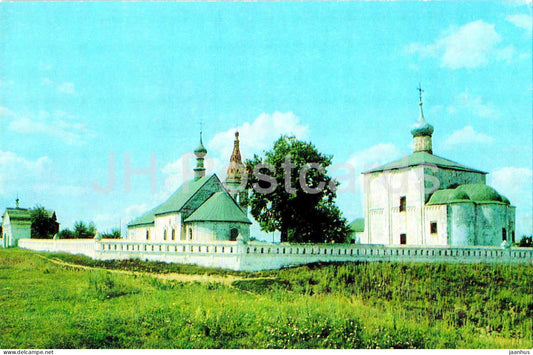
(256, 256)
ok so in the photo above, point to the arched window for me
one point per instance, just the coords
(165, 234)
(173, 234)
(190, 233)
(147, 235)
(233, 234)
(504, 234)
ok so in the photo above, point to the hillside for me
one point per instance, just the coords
(50, 301)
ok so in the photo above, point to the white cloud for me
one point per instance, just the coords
(469, 46)
(467, 135)
(474, 105)
(65, 87)
(523, 21)
(515, 184)
(20, 174)
(58, 125)
(259, 135)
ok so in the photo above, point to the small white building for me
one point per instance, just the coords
(16, 224)
(201, 210)
(423, 199)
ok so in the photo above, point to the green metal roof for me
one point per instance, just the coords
(175, 202)
(480, 193)
(473, 193)
(446, 196)
(18, 214)
(220, 207)
(422, 158)
(358, 225)
(422, 129)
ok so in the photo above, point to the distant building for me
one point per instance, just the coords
(16, 224)
(201, 210)
(423, 199)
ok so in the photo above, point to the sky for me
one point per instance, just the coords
(101, 103)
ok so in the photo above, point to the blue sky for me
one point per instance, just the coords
(82, 82)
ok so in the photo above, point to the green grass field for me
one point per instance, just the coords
(364, 305)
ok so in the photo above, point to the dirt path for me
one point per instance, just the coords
(226, 280)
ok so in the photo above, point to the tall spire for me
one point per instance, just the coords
(235, 163)
(200, 154)
(17, 201)
(422, 130)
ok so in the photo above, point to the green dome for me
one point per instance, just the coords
(446, 196)
(422, 128)
(480, 193)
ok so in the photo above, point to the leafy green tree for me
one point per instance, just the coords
(526, 242)
(114, 234)
(66, 234)
(292, 193)
(84, 231)
(43, 226)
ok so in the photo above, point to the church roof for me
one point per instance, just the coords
(18, 214)
(175, 202)
(358, 225)
(473, 193)
(423, 158)
(220, 207)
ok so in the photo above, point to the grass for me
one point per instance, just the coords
(347, 305)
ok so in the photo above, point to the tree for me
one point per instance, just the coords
(292, 193)
(66, 234)
(526, 241)
(43, 226)
(114, 234)
(84, 231)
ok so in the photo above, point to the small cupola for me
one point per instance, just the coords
(200, 153)
(422, 131)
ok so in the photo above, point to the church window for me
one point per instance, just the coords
(165, 234)
(190, 234)
(433, 227)
(173, 234)
(233, 233)
(504, 234)
(402, 203)
(147, 235)
(403, 238)
(512, 236)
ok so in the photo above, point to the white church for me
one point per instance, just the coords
(201, 210)
(423, 199)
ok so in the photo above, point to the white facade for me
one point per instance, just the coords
(426, 200)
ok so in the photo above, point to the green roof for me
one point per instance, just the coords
(18, 214)
(446, 196)
(422, 129)
(473, 193)
(358, 225)
(175, 202)
(480, 193)
(220, 207)
(423, 158)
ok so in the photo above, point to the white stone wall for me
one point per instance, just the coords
(216, 231)
(384, 223)
(491, 219)
(448, 178)
(12, 232)
(168, 223)
(462, 224)
(256, 256)
(138, 234)
(439, 215)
